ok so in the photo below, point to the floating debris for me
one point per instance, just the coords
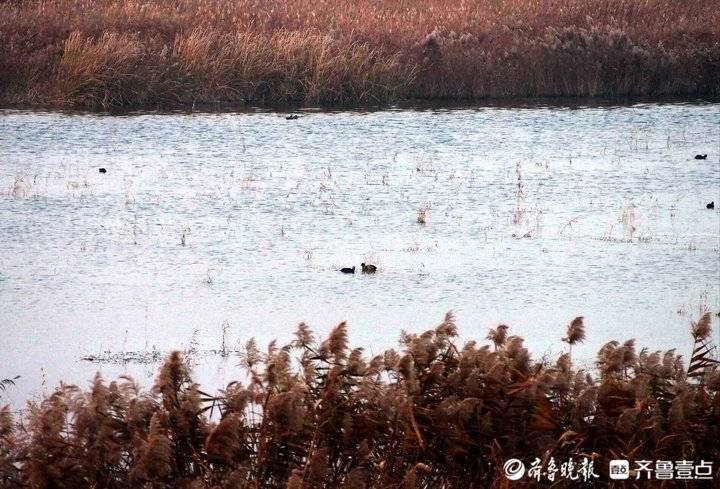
(147, 357)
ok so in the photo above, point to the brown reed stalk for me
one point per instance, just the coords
(323, 415)
(126, 53)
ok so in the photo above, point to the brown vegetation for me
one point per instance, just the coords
(312, 415)
(129, 53)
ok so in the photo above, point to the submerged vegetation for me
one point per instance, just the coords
(124, 53)
(323, 415)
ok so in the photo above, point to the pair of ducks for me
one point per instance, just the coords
(366, 268)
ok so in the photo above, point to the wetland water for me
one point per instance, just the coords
(534, 215)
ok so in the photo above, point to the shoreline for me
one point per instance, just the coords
(419, 105)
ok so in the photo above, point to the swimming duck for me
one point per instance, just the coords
(711, 205)
(292, 117)
(348, 270)
(701, 157)
(368, 268)
(102, 170)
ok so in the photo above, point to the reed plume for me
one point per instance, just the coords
(575, 334)
(188, 53)
(320, 414)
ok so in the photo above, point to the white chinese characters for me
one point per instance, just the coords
(583, 469)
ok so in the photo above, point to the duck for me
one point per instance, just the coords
(701, 157)
(102, 170)
(368, 268)
(348, 270)
(711, 205)
(292, 117)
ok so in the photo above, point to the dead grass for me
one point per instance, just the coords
(123, 53)
(323, 415)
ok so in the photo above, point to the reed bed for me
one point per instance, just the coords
(184, 53)
(322, 415)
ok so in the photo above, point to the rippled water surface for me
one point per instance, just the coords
(534, 215)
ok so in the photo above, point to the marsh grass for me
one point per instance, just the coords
(125, 53)
(21, 186)
(321, 414)
(519, 209)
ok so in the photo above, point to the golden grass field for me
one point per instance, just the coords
(184, 53)
(434, 414)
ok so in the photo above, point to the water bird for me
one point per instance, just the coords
(711, 205)
(701, 157)
(292, 117)
(102, 170)
(368, 268)
(348, 270)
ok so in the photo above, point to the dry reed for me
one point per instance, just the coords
(127, 53)
(323, 415)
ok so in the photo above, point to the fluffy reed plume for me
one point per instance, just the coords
(575, 333)
(702, 361)
(701, 329)
(127, 53)
(498, 335)
(322, 415)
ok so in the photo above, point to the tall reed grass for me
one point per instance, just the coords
(128, 53)
(323, 415)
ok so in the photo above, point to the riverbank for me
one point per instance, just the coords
(121, 53)
(434, 413)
